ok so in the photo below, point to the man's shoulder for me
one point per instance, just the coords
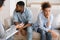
(27, 9)
(15, 13)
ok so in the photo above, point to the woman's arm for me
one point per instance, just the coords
(2, 32)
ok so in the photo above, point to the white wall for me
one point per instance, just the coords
(52, 1)
(12, 6)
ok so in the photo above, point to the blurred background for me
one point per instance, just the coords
(34, 5)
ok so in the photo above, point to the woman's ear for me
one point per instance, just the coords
(0, 8)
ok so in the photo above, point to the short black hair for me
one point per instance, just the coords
(45, 5)
(20, 3)
(1, 2)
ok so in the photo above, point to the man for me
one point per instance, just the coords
(2, 32)
(44, 22)
(22, 18)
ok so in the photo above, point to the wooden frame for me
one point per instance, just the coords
(29, 4)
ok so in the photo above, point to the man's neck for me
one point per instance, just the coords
(21, 12)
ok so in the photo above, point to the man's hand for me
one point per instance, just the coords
(27, 25)
(20, 26)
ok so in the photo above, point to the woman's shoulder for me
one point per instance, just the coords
(1, 23)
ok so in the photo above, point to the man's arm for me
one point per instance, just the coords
(29, 18)
(27, 25)
(15, 18)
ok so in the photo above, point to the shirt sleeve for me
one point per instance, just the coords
(30, 16)
(40, 22)
(15, 17)
(51, 20)
(2, 32)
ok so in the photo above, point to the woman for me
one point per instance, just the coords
(2, 32)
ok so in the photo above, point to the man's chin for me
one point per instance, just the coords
(17, 11)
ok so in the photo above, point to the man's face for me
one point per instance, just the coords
(47, 11)
(19, 8)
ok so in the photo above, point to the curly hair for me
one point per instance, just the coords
(45, 5)
(20, 3)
